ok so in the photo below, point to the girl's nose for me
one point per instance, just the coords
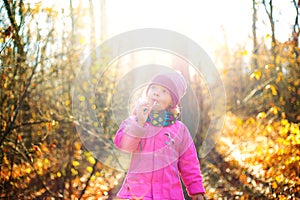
(155, 94)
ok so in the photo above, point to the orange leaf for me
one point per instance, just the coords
(37, 150)
(49, 126)
(19, 138)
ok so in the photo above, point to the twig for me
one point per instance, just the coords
(88, 180)
(16, 112)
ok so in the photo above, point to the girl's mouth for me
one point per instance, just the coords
(154, 103)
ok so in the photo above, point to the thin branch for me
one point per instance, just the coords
(38, 123)
(16, 112)
(88, 180)
(26, 156)
(15, 26)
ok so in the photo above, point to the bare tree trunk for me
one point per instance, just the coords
(296, 31)
(71, 136)
(255, 46)
(73, 22)
(272, 23)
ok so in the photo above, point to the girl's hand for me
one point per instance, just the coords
(198, 197)
(142, 111)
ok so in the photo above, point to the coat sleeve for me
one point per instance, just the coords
(129, 135)
(189, 165)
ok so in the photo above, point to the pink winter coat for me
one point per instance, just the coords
(160, 156)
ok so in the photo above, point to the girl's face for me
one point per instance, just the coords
(159, 97)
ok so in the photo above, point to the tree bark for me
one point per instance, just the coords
(272, 24)
(255, 46)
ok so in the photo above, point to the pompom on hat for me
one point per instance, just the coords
(174, 82)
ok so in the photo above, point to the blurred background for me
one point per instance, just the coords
(43, 45)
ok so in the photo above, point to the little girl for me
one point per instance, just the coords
(161, 146)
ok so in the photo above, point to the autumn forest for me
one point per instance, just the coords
(256, 154)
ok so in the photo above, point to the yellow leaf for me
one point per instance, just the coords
(261, 115)
(58, 174)
(279, 178)
(295, 129)
(39, 164)
(274, 91)
(272, 88)
(89, 169)
(284, 122)
(275, 110)
(96, 124)
(268, 36)
(240, 122)
(46, 161)
(87, 154)
(47, 9)
(82, 40)
(67, 102)
(95, 81)
(280, 77)
(85, 84)
(97, 174)
(256, 75)
(37, 8)
(74, 172)
(28, 170)
(274, 185)
(245, 53)
(75, 163)
(93, 178)
(82, 98)
(250, 121)
(269, 128)
(91, 160)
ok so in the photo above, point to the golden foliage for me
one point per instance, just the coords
(269, 152)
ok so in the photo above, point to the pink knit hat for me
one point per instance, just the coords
(174, 82)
